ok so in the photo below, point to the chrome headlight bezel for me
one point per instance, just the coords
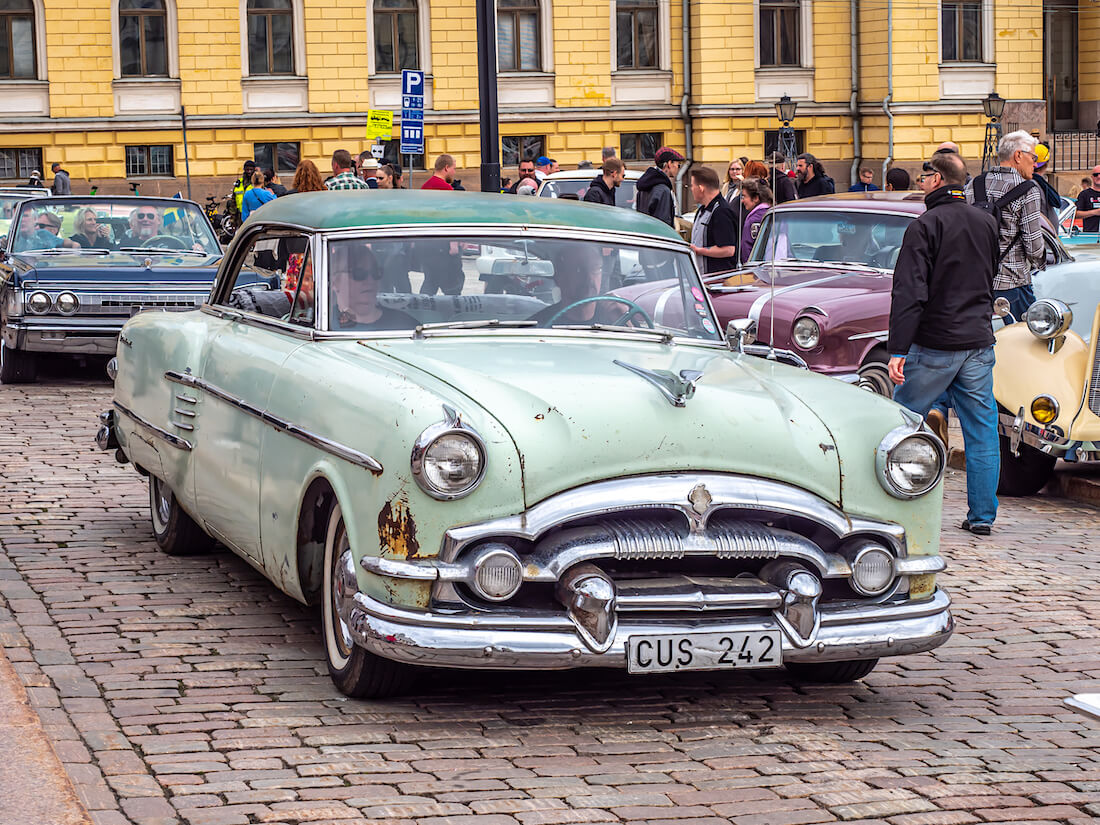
(877, 549)
(1052, 327)
(812, 335)
(1055, 407)
(40, 309)
(452, 425)
(70, 301)
(890, 443)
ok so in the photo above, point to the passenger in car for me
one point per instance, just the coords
(90, 233)
(356, 277)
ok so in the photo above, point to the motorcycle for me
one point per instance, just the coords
(226, 222)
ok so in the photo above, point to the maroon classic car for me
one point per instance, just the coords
(818, 281)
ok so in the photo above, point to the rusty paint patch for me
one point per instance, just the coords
(396, 528)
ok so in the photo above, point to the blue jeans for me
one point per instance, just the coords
(966, 377)
(1019, 299)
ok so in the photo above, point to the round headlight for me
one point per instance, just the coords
(805, 333)
(1048, 318)
(67, 303)
(451, 465)
(39, 302)
(1044, 409)
(872, 570)
(909, 463)
(498, 573)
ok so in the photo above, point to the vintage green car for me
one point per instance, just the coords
(507, 481)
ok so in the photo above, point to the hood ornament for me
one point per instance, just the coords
(676, 388)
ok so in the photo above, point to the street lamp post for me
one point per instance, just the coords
(994, 107)
(785, 109)
(487, 85)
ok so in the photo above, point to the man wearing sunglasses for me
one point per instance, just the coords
(1088, 203)
(356, 278)
(145, 223)
(38, 231)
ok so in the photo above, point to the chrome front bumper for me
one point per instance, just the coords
(99, 338)
(518, 643)
(1019, 431)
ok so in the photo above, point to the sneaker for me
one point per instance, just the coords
(976, 529)
(937, 423)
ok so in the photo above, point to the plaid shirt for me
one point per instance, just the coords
(346, 180)
(1027, 253)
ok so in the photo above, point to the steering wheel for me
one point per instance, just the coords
(169, 241)
(634, 309)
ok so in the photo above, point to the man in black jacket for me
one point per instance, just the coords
(941, 339)
(714, 235)
(811, 177)
(602, 189)
(655, 186)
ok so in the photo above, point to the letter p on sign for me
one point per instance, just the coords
(412, 82)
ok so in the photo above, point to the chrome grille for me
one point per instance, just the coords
(645, 540)
(125, 303)
(1094, 384)
(639, 539)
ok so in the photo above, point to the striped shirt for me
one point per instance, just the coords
(346, 180)
(1026, 254)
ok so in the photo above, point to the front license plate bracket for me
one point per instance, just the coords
(740, 650)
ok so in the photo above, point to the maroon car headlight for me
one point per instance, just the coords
(806, 333)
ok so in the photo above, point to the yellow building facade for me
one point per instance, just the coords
(99, 84)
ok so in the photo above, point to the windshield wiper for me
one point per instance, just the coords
(160, 250)
(664, 336)
(848, 265)
(483, 324)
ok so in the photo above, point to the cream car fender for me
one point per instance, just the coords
(1026, 368)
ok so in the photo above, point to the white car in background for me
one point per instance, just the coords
(576, 182)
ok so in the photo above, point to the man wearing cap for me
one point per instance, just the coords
(543, 166)
(1052, 201)
(655, 186)
(243, 184)
(61, 185)
(368, 171)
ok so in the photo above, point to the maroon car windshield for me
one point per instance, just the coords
(864, 238)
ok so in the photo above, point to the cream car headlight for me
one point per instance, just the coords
(1044, 408)
(448, 459)
(1048, 318)
(909, 462)
(39, 303)
(67, 303)
(806, 333)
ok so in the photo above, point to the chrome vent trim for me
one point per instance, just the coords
(744, 540)
(644, 540)
(1094, 383)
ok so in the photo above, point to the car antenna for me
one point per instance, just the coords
(771, 279)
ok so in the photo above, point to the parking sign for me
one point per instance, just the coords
(412, 112)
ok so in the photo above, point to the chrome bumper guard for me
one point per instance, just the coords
(1052, 442)
(517, 642)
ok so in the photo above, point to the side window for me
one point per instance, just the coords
(1050, 247)
(302, 310)
(268, 275)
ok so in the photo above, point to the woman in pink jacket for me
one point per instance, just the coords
(757, 199)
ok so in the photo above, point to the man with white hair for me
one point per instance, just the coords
(1009, 193)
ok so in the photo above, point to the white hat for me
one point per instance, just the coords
(369, 163)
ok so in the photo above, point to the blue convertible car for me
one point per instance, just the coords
(73, 270)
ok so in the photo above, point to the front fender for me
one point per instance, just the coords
(1026, 368)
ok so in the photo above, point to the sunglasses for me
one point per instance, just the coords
(44, 225)
(359, 276)
(1096, 174)
(146, 216)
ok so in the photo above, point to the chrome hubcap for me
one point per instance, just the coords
(343, 573)
(162, 499)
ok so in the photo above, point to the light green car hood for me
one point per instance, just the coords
(576, 417)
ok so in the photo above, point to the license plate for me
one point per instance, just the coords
(704, 651)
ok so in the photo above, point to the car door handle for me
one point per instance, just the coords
(231, 316)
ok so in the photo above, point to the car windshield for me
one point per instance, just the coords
(8, 203)
(624, 193)
(387, 285)
(869, 239)
(100, 224)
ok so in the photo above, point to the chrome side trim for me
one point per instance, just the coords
(882, 333)
(356, 457)
(757, 308)
(174, 440)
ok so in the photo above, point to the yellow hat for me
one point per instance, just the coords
(1042, 151)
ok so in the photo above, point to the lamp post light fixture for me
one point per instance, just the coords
(993, 106)
(785, 109)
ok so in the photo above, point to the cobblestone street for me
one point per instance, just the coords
(189, 690)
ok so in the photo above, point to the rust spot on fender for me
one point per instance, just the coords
(396, 528)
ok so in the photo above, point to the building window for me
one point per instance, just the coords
(270, 37)
(17, 164)
(514, 148)
(518, 36)
(286, 155)
(780, 29)
(17, 59)
(639, 145)
(391, 153)
(142, 38)
(636, 25)
(395, 36)
(149, 162)
(771, 143)
(961, 32)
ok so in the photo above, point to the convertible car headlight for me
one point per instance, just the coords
(67, 303)
(806, 333)
(39, 302)
(1048, 318)
(909, 463)
(448, 459)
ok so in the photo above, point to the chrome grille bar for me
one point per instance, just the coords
(1094, 383)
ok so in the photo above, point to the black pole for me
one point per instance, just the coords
(186, 156)
(487, 84)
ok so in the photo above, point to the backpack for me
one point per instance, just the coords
(995, 208)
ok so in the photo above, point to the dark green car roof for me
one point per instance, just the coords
(376, 207)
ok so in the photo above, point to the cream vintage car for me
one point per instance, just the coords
(1047, 385)
(508, 481)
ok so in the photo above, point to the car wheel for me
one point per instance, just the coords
(1025, 474)
(17, 366)
(874, 376)
(833, 673)
(177, 534)
(356, 672)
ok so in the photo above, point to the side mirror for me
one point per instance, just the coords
(740, 332)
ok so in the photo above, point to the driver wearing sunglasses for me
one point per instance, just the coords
(355, 276)
(145, 223)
